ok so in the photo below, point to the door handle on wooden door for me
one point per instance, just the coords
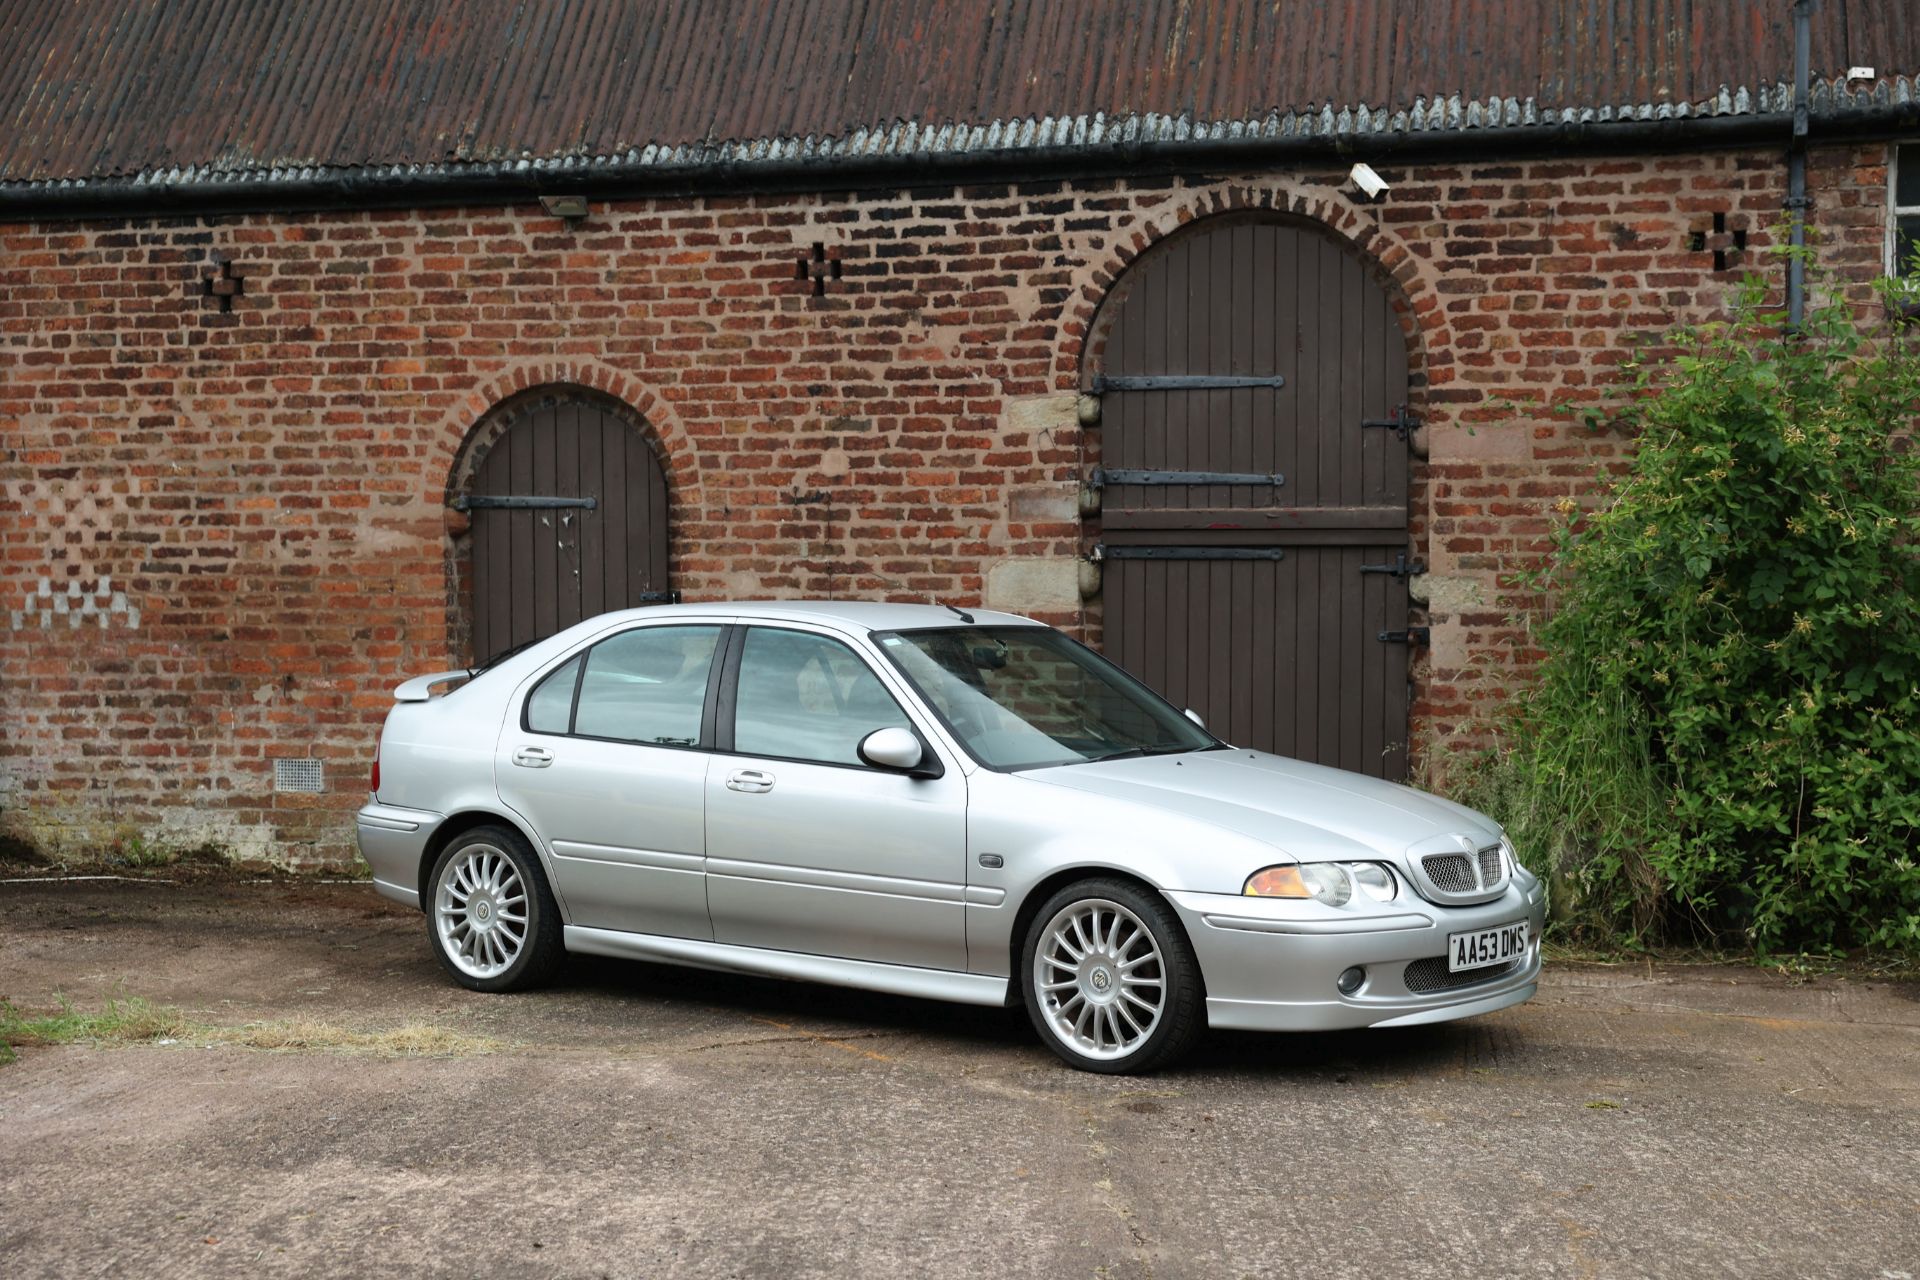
(750, 780)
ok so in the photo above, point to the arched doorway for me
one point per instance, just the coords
(568, 508)
(1253, 489)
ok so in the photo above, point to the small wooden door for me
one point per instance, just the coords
(569, 511)
(1254, 491)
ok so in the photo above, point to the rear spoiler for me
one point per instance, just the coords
(420, 688)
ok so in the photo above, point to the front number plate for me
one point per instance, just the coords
(1483, 947)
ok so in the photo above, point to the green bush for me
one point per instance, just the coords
(1725, 734)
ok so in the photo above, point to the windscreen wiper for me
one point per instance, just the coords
(1128, 753)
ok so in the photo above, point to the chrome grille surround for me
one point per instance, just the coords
(1422, 977)
(1458, 871)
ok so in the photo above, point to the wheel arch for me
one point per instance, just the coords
(1052, 883)
(458, 824)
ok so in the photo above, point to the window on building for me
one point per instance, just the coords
(1903, 244)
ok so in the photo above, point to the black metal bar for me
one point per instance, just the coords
(1104, 552)
(1104, 476)
(1184, 382)
(1398, 569)
(480, 501)
(1401, 421)
(657, 597)
(1412, 635)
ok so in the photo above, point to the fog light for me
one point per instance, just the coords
(1349, 980)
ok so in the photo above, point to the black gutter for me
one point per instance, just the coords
(512, 183)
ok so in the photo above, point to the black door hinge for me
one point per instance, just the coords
(1104, 476)
(1401, 421)
(1102, 551)
(1400, 568)
(1102, 383)
(490, 502)
(1412, 635)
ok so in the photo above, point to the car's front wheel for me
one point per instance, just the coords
(492, 919)
(1109, 979)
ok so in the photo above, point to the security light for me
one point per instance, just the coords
(1371, 185)
(569, 207)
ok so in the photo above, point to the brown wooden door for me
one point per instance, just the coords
(543, 559)
(1256, 350)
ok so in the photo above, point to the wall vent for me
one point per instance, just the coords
(298, 775)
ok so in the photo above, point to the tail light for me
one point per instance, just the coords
(373, 784)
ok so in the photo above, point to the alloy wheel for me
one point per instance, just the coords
(480, 911)
(1099, 979)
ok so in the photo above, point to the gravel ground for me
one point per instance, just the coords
(644, 1121)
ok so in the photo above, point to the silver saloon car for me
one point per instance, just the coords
(960, 805)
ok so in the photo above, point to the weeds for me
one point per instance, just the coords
(1723, 742)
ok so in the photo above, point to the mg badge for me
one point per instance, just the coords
(1100, 980)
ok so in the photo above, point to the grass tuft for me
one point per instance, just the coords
(135, 1021)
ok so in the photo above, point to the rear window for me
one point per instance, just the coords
(647, 686)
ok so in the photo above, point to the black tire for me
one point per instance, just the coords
(541, 948)
(1182, 1012)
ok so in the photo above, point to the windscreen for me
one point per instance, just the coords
(1025, 697)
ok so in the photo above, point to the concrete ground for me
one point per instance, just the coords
(647, 1121)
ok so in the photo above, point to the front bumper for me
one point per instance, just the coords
(393, 840)
(1270, 964)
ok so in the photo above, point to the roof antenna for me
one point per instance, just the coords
(964, 615)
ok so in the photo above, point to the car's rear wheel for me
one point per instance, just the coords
(1109, 979)
(493, 920)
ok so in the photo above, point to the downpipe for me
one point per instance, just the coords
(1797, 200)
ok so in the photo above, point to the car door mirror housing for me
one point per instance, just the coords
(1194, 716)
(897, 749)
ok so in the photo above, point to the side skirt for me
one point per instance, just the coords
(867, 975)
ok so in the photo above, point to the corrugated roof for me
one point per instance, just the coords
(165, 88)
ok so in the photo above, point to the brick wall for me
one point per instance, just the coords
(224, 533)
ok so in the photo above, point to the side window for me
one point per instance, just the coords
(1904, 242)
(647, 685)
(806, 697)
(550, 706)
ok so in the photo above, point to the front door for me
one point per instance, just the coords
(810, 850)
(1253, 484)
(604, 760)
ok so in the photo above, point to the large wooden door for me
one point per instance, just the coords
(569, 511)
(1254, 491)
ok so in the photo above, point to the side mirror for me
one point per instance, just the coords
(895, 748)
(1194, 716)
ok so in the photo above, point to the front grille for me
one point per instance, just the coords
(1450, 872)
(1490, 865)
(1431, 974)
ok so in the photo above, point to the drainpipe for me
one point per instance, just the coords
(1797, 201)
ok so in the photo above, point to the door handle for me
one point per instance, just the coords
(749, 780)
(533, 757)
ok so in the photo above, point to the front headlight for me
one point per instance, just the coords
(1374, 880)
(1330, 882)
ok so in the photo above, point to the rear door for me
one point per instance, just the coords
(810, 850)
(606, 759)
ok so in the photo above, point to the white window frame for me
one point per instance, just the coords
(1897, 211)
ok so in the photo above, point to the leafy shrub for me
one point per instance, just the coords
(1725, 733)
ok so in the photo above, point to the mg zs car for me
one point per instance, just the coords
(922, 800)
